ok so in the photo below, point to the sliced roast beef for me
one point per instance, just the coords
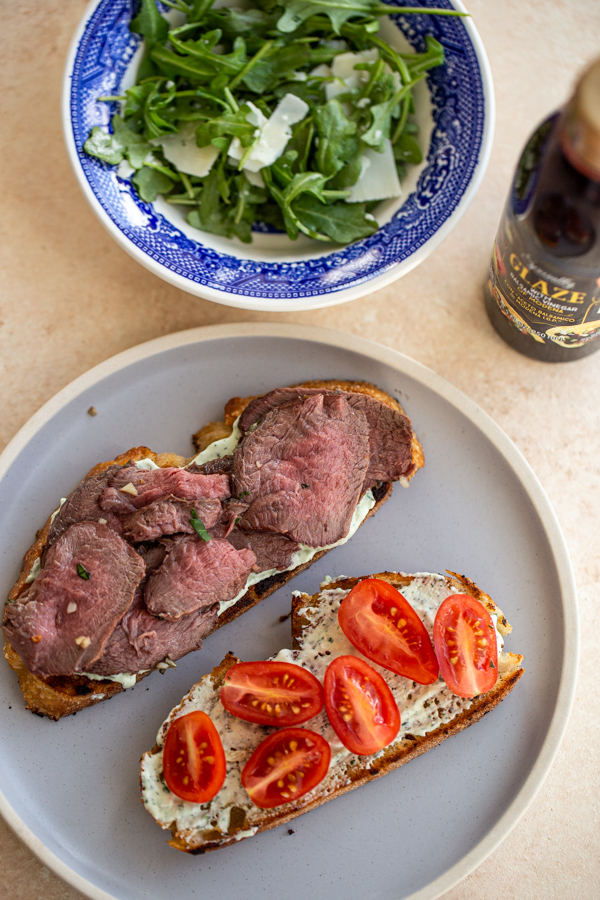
(132, 488)
(63, 621)
(82, 505)
(170, 516)
(195, 574)
(222, 465)
(272, 551)
(390, 432)
(390, 439)
(260, 406)
(141, 640)
(231, 514)
(302, 469)
(153, 555)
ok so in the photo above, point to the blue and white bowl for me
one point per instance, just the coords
(455, 112)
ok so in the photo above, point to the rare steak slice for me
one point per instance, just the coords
(301, 470)
(390, 432)
(132, 488)
(169, 516)
(63, 621)
(390, 439)
(222, 465)
(272, 551)
(140, 640)
(195, 574)
(83, 505)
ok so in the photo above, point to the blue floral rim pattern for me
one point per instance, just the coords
(102, 57)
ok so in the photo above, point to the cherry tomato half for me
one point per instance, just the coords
(466, 647)
(193, 758)
(360, 706)
(272, 693)
(379, 622)
(285, 766)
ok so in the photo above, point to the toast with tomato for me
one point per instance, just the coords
(382, 669)
(153, 552)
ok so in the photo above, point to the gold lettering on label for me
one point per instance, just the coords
(515, 263)
(559, 294)
(541, 286)
(576, 295)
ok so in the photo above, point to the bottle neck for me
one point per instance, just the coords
(580, 142)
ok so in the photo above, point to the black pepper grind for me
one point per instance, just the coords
(543, 289)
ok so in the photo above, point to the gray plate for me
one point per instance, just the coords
(70, 788)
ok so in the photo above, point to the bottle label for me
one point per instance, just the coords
(547, 306)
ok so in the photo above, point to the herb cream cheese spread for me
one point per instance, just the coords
(423, 708)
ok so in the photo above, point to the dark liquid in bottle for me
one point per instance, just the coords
(543, 290)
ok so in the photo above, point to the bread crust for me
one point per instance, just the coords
(510, 671)
(60, 696)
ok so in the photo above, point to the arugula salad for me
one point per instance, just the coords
(293, 113)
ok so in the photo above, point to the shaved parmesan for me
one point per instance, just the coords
(378, 178)
(347, 77)
(182, 151)
(274, 133)
(254, 178)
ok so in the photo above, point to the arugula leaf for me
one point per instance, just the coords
(150, 183)
(301, 142)
(339, 11)
(349, 174)
(150, 24)
(226, 63)
(282, 167)
(381, 124)
(407, 149)
(198, 526)
(229, 124)
(305, 183)
(136, 148)
(136, 102)
(340, 222)
(190, 67)
(199, 10)
(227, 220)
(113, 148)
(240, 21)
(278, 61)
(104, 146)
(290, 220)
(337, 141)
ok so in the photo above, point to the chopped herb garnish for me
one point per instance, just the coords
(306, 485)
(198, 526)
(83, 573)
(245, 494)
(238, 520)
(492, 666)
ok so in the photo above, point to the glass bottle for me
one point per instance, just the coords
(543, 288)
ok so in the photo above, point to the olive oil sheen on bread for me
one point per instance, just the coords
(543, 288)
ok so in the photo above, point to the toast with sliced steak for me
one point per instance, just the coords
(153, 552)
(429, 713)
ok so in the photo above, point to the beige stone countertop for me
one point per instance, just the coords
(70, 298)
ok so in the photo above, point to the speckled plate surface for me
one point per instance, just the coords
(70, 788)
(455, 112)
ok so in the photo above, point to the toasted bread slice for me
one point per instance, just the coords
(59, 696)
(429, 714)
